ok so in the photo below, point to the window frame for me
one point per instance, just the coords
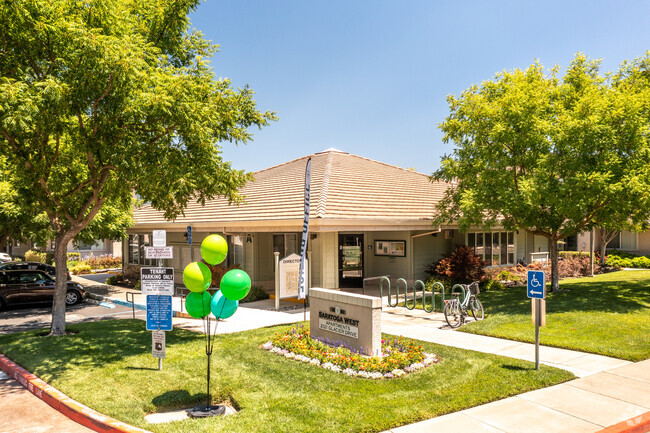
(491, 252)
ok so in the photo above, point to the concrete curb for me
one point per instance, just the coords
(115, 301)
(638, 424)
(64, 404)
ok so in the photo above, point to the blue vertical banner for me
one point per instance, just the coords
(305, 233)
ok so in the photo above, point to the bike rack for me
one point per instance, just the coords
(415, 298)
(433, 297)
(132, 301)
(381, 278)
(400, 280)
(462, 288)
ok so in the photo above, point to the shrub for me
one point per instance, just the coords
(217, 272)
(256, 293)
(461, 266)
(74, 257)
(103, 262)
(137, 286)
(80, 268)
(490, 285)
(564, 254)
(35, 256)
(114, 279)
(428, 284)
(641, 262)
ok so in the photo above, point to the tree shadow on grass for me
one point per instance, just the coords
(93, 345)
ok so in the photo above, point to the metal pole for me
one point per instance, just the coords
(277, 280)
(538, 319)
(591, 249)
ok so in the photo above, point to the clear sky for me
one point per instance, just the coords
(371, 77)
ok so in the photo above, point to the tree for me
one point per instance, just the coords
(554, 156)
(20, 219)
(101, 100)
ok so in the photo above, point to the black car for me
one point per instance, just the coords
(14, 266)
(34, 286)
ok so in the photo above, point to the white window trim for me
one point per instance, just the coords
(514, 238)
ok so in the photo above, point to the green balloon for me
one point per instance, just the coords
(235, 284)
(214, 249)
(198, 304)
(197, 276)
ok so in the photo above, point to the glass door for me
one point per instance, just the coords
(350, 260)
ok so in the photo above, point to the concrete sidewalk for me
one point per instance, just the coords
(583, 405)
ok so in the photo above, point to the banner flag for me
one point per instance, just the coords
(305, 233)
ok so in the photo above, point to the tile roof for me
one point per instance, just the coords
(343, 187)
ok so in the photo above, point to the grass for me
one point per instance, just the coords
(108, 366)
(608, 314)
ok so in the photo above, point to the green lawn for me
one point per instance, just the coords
(108, 366)
(608, 314)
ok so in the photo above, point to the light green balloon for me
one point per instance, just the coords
(197, 276)
(197, 304)
(235, 284)
(214, 249)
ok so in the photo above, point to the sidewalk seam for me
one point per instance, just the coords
(71, 408)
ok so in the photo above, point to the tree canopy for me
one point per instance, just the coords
(103, 100)
(549, 154)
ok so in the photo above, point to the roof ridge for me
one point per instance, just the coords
(322, 199)
(284, 163)
(388, 165)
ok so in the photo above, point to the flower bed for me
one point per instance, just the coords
(400, 356)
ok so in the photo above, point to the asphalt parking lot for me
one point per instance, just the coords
(23, 318)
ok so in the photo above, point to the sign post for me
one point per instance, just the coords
(189, 241)
(158, 284)
(536, 290)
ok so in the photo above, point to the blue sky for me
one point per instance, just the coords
(371, 77)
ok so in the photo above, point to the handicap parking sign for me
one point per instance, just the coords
(536, 285)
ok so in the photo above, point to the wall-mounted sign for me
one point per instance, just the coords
(289, 271)
(390, 248)
(158, 252)
(159, 238)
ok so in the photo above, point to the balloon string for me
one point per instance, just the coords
(223, 304)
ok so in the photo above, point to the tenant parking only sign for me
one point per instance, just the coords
(157, 281)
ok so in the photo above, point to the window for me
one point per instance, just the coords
(235, 251)
(285, 244)
(495, 248)
(625, 241)
(136, 249)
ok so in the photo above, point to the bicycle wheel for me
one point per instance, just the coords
(453, 314)
(476, 308)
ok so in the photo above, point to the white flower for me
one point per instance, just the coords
(376, 375)
(327, 365)
(276, 349)
(350, 372)
(267, 346)
(363, 374)
(336, 369)
(417, 366)
(289, 355)
(398, 372)
(314, 361)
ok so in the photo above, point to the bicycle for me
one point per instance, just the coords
(456, 311)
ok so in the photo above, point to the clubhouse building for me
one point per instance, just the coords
(367, 219)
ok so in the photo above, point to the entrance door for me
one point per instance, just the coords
(351, 260)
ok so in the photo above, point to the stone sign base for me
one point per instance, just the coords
(352, 319)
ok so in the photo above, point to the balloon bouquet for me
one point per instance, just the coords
(234, 285)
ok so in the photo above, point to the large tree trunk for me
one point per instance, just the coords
(555, 274)
(60, 261)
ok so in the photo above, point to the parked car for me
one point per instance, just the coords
(29, 286)
(4, 257)
(14, 266)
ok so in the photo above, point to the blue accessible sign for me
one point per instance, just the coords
(536, 285)
(159, 313)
